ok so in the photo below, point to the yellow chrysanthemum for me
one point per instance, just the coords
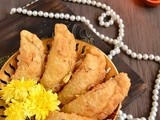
(26, 98)
(15, 111)
(40, 102)
(17, 89)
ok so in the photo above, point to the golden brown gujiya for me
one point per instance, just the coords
(102, 100)
(31, 57)
(65, 116)
(61, 58)
(89, 73)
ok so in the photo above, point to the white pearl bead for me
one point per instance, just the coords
(117, 17)
(121, 30)
(51, 15)
(74, 1)
(142, 118)
(29, 13)
(78, 18)
(114, 17)
(121, 44)
(32, 2)
(119, 38)
(56, 15)
(19, 10)
(28, 5)
(155, 97)
(102, 36)
(124, 115)
(97, 33)
(84, 1)
(83, 19)
(79, 1)
(157, 81)
(145, 56)
(120, 21)
(115, 42)
(154, 109)
(13, 10)
(154, 104)
(139, 56)
(153, 114)
(72, 17)
(125, 47)
(111, 22)
(108, 13)
(151, 118)
(45, 14)
(103, 15)
(93, 3)
(129, 52)
(106, 39)
(151, 56)
(112, 52)
(61, 15)
(133, 55)
(103, 6)
(66, 16)
(120, 112)
(101, 23)
(35, 13)
(40, 13)
(157, 58)
(91, 26)
(129, 117)
(117, 50)
(24, 11)
(87, 22)
(112, 10)
(155, 92)
(88, 2)
(120, 118)
(106, 24)
(157, 86)
(110, 57)
(121, 34)
(100, 18)
(121, 26)
(110, 40)
(108, 8)
(98, 4)
(94, 30)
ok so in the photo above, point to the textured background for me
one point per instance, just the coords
(141, 35)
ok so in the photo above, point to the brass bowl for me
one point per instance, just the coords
(10, 66)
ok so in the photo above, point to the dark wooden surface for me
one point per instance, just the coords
(141, 34)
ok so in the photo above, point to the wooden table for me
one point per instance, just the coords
(142, 34)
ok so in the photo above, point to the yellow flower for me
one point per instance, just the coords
(17, 89)
(40, 102)
(26, 98)
(15, 111)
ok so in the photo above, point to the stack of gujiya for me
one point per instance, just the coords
(79, 80)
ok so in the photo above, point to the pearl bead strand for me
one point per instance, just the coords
(119, 44)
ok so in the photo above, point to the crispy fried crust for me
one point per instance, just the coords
(102, 100)
(31, 57)
(61, 59)
(65, 116)
(89, 73)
